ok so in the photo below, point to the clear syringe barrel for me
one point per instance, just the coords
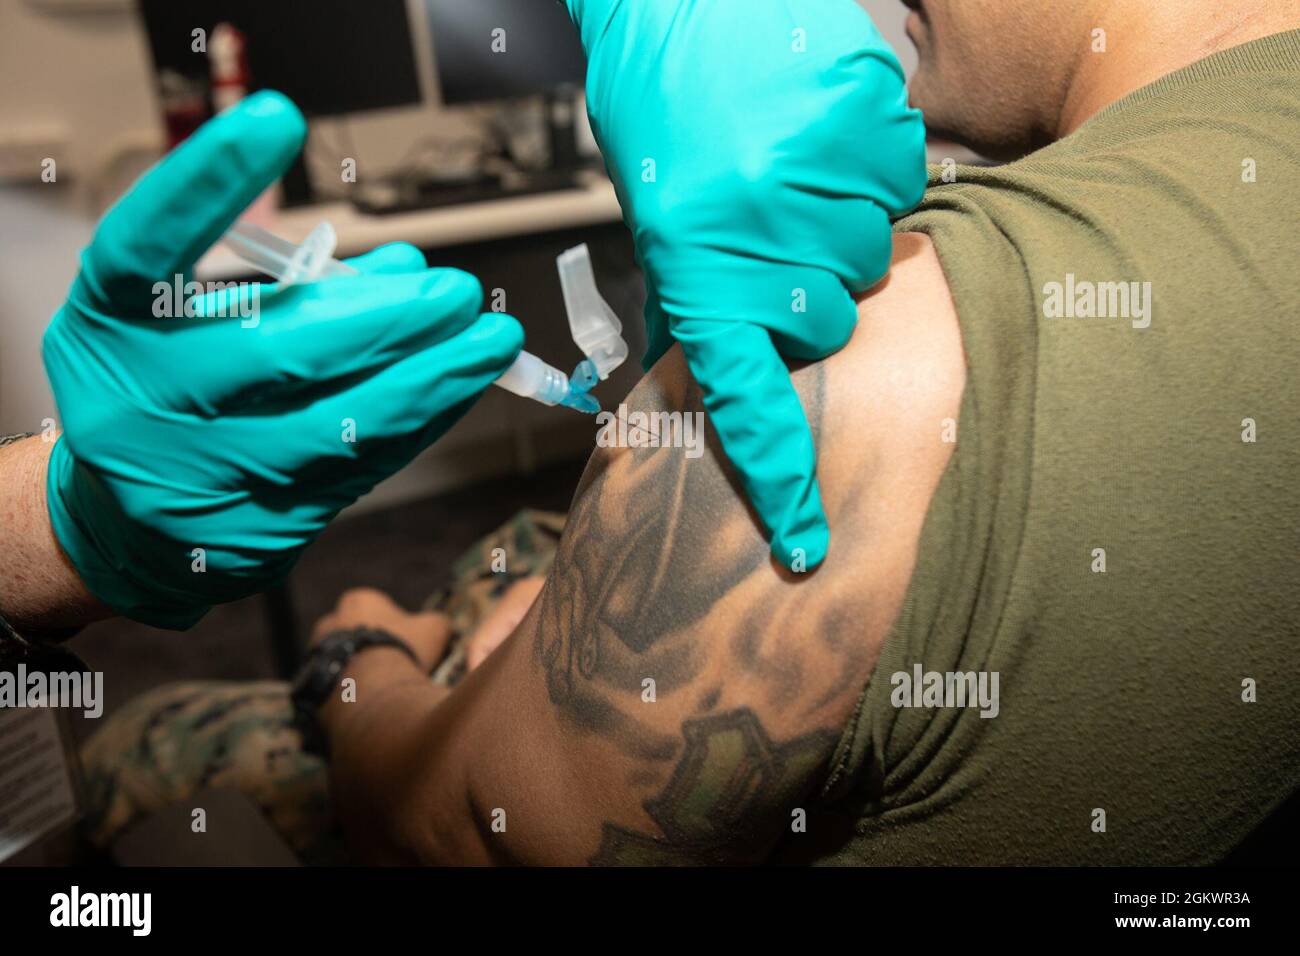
(532, 378)
(291, 263)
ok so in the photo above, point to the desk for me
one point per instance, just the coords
(430, 229)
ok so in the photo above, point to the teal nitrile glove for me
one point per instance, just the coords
(202, 453)
(759, 149)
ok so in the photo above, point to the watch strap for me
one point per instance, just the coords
(322, 671)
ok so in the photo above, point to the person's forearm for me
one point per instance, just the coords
(378, 748)
(40, 590)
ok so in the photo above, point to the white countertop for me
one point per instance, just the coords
(594, 203)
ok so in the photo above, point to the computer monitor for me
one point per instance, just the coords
(502, 49)
(329, 56)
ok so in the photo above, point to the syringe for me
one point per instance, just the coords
(289, 264)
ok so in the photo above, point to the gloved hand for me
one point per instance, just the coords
(759, 149)
(201, 454)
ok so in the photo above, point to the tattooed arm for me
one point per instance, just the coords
(674, 693)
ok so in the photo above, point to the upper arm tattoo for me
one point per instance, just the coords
(655, 543)
(727, 794)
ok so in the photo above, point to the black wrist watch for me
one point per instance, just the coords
(320, 675)
(40, 652)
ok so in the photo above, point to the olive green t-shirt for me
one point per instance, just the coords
(1116, 536)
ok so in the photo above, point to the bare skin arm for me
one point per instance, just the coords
(40, 590)
(552, 751)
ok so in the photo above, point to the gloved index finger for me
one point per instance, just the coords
(753, 405)
(183, 204)
(308, 339)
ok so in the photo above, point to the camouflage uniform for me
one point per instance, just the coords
(173, 741)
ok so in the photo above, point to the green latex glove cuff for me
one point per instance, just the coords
(117, 572)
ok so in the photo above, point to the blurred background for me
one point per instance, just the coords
(425, 126)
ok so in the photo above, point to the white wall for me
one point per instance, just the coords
(80, 78)
(889, 17)
(84, 75)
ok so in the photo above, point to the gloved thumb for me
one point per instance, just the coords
(186, 202)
